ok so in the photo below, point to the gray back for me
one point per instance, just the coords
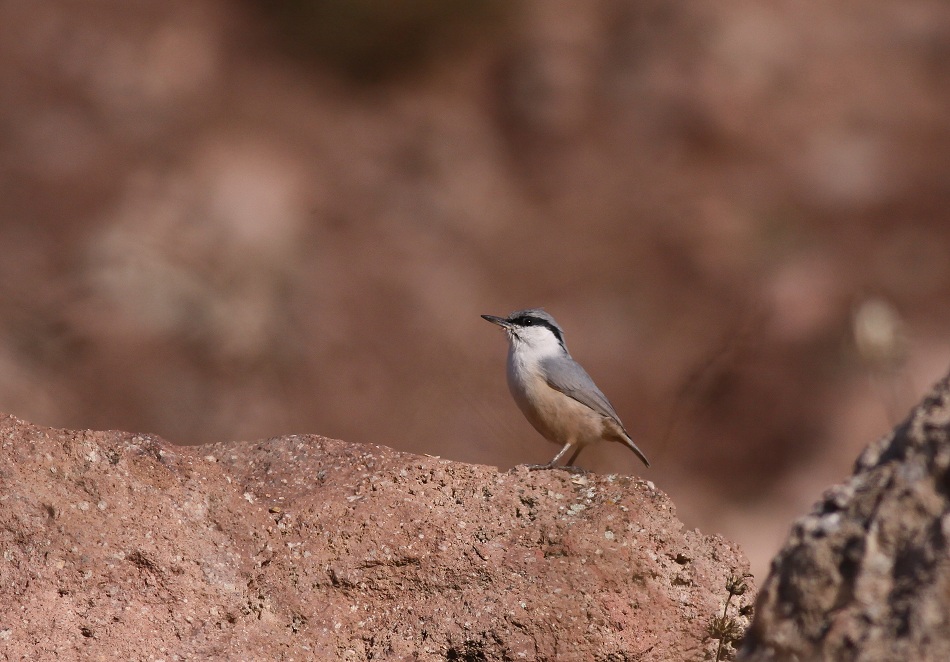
(568, 377)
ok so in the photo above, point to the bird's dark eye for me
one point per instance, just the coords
(528, 322)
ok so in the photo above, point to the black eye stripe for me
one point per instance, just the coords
(530, 320)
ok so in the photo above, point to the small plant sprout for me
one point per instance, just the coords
(725, 628)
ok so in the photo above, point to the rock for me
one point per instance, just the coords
(865, 575)
(123, 546)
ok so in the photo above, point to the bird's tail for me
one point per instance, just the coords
(628, 442)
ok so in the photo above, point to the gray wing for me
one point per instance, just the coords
(572, 380)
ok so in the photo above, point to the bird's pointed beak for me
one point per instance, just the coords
(500, 321)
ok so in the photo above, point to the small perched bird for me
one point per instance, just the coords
(553, 391)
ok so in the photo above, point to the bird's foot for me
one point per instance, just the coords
(550, 465)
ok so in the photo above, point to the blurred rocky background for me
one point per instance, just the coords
(232, 220)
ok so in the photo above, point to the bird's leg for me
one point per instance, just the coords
(553, 463)
(577, 451)
(560, 454)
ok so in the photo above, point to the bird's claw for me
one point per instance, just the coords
(543, 467)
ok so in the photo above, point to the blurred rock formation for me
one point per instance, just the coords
(211, 230)
(865, 575)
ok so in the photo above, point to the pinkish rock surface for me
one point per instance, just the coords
(124, 546)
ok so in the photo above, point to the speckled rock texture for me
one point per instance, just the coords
(866, 575)
(123, 546)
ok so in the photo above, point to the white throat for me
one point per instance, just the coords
(532, 344)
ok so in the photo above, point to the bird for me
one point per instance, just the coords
(553, 391)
